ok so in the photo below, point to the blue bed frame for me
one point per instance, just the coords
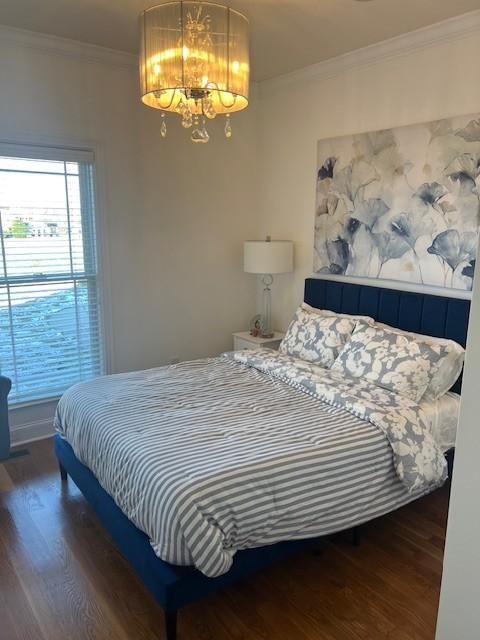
(174, 587)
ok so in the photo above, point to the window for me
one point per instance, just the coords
(50, 330)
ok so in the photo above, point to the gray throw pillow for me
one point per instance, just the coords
(316, 339)
(397, 362)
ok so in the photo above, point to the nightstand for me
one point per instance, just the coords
(243, 340)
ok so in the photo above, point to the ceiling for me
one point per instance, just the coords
(285, 34)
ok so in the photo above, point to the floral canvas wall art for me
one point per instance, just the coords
(401, 204)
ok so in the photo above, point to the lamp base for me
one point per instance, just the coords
(267, 306)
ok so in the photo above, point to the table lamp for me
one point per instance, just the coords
(266, 257)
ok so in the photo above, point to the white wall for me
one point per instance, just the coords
(362, 93)
(459, 613)
(55, 93)
(400, 83)
(199, 205)
(174, 215)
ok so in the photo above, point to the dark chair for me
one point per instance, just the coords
(5, 386)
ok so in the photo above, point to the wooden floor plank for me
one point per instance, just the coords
(62, 577)
(6, 483)
(14, 604)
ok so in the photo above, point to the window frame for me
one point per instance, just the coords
(92, 153)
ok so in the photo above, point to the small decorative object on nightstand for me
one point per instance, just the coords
(243, 340)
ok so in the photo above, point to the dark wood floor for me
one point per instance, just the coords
(61, 577)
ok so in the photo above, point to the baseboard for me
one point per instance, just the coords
(30, 431)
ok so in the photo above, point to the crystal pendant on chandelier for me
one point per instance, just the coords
(208, 108)
(184, 110)
(199, 133)
(228, 126)
(187, 119)
(163, 128)
(194, 61)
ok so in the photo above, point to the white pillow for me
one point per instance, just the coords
(442, 416)
(326, 313)
(315, 338)
(447, 370)
(391, 360)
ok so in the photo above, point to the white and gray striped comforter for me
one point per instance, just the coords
(213, 456)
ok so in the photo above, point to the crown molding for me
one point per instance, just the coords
(446, 31)
(64, 47)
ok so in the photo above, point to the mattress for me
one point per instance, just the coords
(217, 455)
(442, 415)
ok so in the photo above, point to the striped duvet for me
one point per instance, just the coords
(216, 455)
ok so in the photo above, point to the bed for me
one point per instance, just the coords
(189, 536)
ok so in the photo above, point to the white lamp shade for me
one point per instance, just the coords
(266, 257)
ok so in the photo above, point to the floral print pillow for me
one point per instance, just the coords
(326, 313)
(399, 363)
(315, 338)
(448, 368)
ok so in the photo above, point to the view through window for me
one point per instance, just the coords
(50, 332)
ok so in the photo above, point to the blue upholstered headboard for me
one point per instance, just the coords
(422, 313)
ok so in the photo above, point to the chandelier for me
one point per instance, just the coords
(194, 61)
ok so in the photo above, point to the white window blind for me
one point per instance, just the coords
(50, 329)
